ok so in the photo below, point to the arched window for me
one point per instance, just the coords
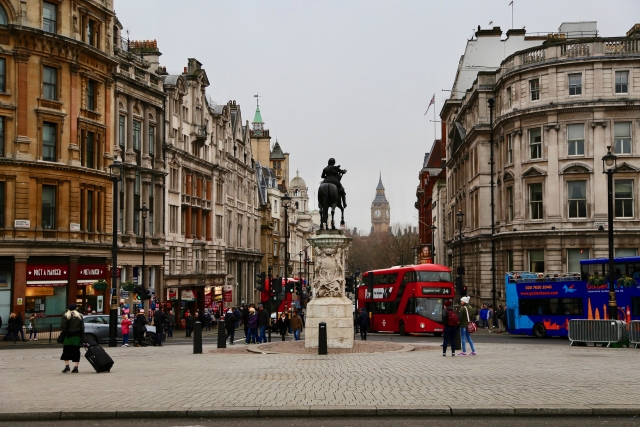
(3, 16)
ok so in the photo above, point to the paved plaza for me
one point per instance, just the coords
(170, 380)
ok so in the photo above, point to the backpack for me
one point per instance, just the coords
(452, 318)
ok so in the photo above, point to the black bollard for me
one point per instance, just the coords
(458, 340)
(269, 331)
(322, 338)
(222, 335)
(197, 338)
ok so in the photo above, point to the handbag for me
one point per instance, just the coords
(471, 327)
(63, 335)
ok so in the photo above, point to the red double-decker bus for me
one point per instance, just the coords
(407, 299)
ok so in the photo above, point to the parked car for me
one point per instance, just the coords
(96, 327)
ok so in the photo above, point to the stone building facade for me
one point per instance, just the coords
(557, 107)
(56, 92)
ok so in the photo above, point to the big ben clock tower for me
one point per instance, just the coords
(380, 211)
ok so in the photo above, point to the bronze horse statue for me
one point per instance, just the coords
(329, 197)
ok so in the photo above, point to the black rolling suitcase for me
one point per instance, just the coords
(98, 358)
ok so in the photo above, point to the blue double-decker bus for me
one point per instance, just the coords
(542, 304)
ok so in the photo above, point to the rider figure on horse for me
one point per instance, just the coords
(332, 174)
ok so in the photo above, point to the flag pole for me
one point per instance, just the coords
(435, 125)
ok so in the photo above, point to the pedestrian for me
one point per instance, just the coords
(283, 324)
(451, 323)
(230, 321)
(159, 320)
(363, 323)
(72, 326)
(171, 324)
(245, 320)
(502, 319)
(33, 331)
(483, 316)
(490, 314)
(20, 326)
(263, 322)
(252, 338)
(207, 320)
(465, 314)
(12, 329)
(296, 325)
(238, 315)
(141, 329)
(125, 326)
(191, 323)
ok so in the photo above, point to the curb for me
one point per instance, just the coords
(335, 411)
(405, 349)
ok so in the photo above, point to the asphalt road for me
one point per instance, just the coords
(210, 337)
(349, 422)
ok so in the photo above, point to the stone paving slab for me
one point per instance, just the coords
(297, 347)
(533, 379)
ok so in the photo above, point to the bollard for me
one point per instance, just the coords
(197, 338)
(222, 335)
(50, 332)
(269, 331)
(322, 338)
(458, 340)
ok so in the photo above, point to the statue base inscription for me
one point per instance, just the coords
(329, 303)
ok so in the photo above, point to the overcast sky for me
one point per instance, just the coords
(346, 79)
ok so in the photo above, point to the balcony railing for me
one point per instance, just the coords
(199, 131)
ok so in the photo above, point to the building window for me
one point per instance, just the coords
(48, 207)
(91, 95)
(4, 20)
(509, 204)
(577, 199)
(218, 226)
(152, 139)
(136, 135)
(175, 183)
(50, 83)
(121, 133)
(575, 137)
(136, 204)
(535, 200)
(219, 191)
(1, 136)
(622, 81)
(575, 84)
(2, 196)
(536, 260)
(173, 219)
(49, 142)
(3, 75)
(574, 256)
(624, 198)
(49, 17)
(622, 138)
(624, 252)
(90, 211)
(509, 97)
(90, 150)
(509, 149)
(91, 33)
(172, 260)
(534, 89)
(535, 143)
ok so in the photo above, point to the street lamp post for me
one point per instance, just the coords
(115, 173)
(433, 251)
(145, 211)
(460, 216)
(609, 165)
(286, 202)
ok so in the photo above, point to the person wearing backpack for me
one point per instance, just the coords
(451, 323)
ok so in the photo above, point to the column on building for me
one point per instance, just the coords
(553, 211)
(130, 154)
(130, 178)
(158, 201)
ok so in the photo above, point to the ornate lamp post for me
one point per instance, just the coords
(115, 173)
(460, 216)
(145, 211)
(609, 166)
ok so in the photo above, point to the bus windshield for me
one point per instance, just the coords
(433, 276)
(431, 308)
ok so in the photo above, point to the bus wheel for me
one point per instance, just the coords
(539, 331)
(402, 331)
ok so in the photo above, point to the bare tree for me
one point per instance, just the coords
(383, 250)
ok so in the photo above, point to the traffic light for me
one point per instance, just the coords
(291, 288)
(276, 284)
(349, 284)
(370, 281)
(145, 294)
(458, 283)
(137, 290)
(261, 282)
(299, 287)
(464, 291)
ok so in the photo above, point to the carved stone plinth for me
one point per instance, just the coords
(329, 304)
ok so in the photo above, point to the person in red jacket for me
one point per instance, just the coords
(126, 325)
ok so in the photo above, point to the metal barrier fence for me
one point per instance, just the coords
(634, 333)
(597, 331)
(46, 333)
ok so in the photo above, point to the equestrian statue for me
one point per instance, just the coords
(331, 194)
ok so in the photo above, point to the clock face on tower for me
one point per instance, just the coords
(377, 213)
(387, 213)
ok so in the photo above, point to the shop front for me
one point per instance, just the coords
(88, 298)
(46, 292)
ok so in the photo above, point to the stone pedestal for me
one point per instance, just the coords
(329, 304)
(337, 313)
